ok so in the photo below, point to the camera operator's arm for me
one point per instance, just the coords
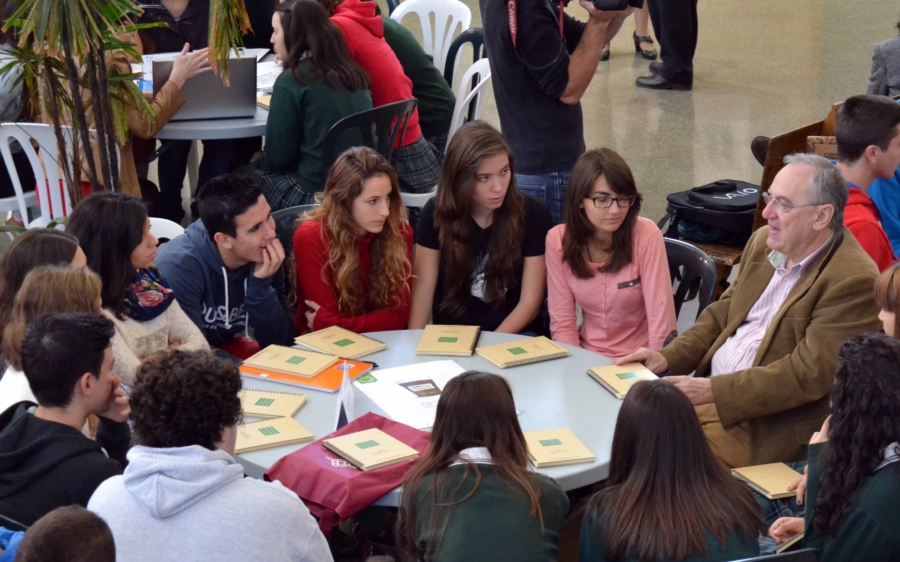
(600, 29)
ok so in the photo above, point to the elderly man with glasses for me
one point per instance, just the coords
(765, 353)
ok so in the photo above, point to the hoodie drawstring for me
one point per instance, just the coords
(246, 314)
(227, 308)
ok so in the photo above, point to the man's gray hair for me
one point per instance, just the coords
(827, 185)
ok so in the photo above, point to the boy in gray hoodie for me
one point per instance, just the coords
(226, 269)
(183, 495)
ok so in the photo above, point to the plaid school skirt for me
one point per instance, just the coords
(280, 189)
(418, 166)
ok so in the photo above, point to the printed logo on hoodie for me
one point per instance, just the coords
(214, 317)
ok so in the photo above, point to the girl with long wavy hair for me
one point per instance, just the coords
(356, 265)
(320, 86)
(667, 498)
(610, 262)
(114, 231)
(480, 242)
(854, 461)
(472, 496)
(48, 289)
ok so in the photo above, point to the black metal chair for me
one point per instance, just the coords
(805, 555)
(286, 224)
(388, 120)
(695, 272)
(475, 36)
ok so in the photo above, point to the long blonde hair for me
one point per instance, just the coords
(391, 269)
(48, 289)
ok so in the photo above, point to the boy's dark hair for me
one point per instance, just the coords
(58, 349)
(221, 200)
(863, 121)
(68, 534)
(184, 398)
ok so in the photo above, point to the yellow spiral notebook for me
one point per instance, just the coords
(617, 379)
(298, 362)
(771, 480)
(341, 342)
(522, 352)
(556, 447)
(448, 340)
(370, 449)
(264, 434)
(268, 404)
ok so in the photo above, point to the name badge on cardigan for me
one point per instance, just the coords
(632, 283)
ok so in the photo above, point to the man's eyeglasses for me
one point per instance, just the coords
(605, 201)
(785, 207)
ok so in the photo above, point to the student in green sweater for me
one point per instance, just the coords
(320, 85)
(472, 497)
(667, 498)
(854, 462)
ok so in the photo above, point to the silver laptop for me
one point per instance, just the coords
(206, 97)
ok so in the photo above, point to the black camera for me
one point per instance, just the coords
(617, 5)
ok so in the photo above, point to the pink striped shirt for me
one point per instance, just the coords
(739, 350)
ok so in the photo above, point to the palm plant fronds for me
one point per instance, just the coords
(228, 23)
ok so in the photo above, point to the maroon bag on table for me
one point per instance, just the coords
(332, 488)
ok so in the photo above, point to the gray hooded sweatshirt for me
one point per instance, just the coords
(190, 503)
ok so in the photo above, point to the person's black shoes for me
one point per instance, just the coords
(657, 82)
(760, 149)
(638, 39)
(654, 67)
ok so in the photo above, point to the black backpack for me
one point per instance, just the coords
(721, 212)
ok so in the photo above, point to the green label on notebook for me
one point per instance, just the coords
(626, 376)
(549, 442)
(367, 444)
(447, 340)
(268, 431)
(344, 342)
(367, 378)
(516, 350)
(265, 402)
(296, 360)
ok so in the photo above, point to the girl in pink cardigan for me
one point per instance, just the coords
(609, 261)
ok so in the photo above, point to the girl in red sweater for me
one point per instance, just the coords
(354, 255)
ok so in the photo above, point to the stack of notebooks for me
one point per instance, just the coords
(458, 341)
(370, 449)
(268, 404)
(522, 352)
(302, 367)
(617, 379)
(340, 342)
(556, 447)
(275, 432)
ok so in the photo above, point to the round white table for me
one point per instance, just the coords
(549, 395)
(216, 129)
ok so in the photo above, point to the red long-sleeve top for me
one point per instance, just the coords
(315, 282)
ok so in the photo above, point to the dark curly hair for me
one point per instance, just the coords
(865, 418)
(184, 398)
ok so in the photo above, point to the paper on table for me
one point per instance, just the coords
(410, 394)
(266, 74)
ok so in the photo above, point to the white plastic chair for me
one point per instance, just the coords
(54, 196)
(451, 17)
(482, 69)
(165, 229)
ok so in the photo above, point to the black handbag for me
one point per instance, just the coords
(721, 212)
